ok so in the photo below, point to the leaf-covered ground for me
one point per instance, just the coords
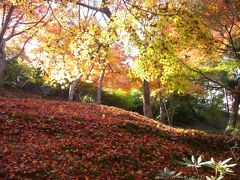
(60, 140)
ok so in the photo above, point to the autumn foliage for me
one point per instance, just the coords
(59, 140)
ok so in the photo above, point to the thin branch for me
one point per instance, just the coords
(6, 23)
(232, 9)
(136, 18)
(16, 16)
(25, 43)
(234, 90)
(21, 51)
(3, 16)
(86, 15)
(203, 75)
(14, 28)
(28, 39)
(27, 29)
(59, 23)
(104, 10)
(230, 39)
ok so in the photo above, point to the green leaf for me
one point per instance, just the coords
(226, 161)
(199, 159)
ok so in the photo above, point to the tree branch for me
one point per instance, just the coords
(59, 23)
(14, 28)
(3, 15)
(203, 75)
(104, 10)
(29, 28)
(21, 51)
(6, 23)
(232, 9)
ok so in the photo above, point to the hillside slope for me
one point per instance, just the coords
(59, 140)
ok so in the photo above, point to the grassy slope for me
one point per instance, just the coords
(41, 138)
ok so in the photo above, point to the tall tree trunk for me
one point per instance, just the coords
(226, 99)
(100, 85)
(147, 110)
(169, 120)
(233, 121)
(72, 88)
(235, 107)
(2, 68)
(162, 110)
(3, 30)
(162, 105)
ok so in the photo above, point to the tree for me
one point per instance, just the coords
(164, 40)
(77, 52)
(222, 19)
(18, 19)
(22, 18)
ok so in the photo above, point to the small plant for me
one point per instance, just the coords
(220, 168)
(168, 174)
(194, 162)
(87, 99)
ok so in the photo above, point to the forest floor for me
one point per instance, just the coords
(56, 139)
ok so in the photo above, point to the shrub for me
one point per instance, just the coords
(86, 92)
(214, 117)
(18, 74)
(183, 109)
(118, 98)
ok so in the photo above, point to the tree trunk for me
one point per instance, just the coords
(100, 85)
(226, 99)
(2, 68)
(146, 100)
(72, 88)
(233, 121)
(169, 120)
(235, 107)
(164, 113)
(162, 110)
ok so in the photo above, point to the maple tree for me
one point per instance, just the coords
(164, 41)
(22, 17)
(81, 53)
(222, 19)
(19, 19)
(205, 34)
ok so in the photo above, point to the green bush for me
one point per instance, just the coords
(129, 101)
(183, 109)
(86, 92)
(86, 99)
(18, 74)
(189, 110)
(214, 117)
